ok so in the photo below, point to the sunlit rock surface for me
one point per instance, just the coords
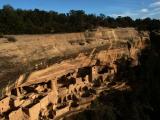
(48, 76)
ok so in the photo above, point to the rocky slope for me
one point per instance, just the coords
(32, 52)
(141, 102)
(98, 72)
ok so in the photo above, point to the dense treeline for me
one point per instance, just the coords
(18, 21)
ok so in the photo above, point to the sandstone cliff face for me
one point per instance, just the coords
(47, 76)
(139, 95)
(33, 52)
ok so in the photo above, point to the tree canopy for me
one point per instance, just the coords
(18, 21)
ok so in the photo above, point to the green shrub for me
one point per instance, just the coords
(11, 39)
(1, 35)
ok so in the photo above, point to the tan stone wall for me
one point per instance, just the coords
(62, 91)
(62, 111)
(44, 102)
(18, 115)
(34, 111)
(5, 104)
(53, 97)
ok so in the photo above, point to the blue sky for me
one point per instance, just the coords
(133, 8)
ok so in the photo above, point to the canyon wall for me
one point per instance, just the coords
(59, 66)
(34, 52)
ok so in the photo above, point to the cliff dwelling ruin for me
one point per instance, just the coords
(64, 74)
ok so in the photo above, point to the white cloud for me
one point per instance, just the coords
(145, 10)
(155, 4)
(154, 13)
(156, 9)
(153, 10)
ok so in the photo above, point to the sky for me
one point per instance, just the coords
(114, 8)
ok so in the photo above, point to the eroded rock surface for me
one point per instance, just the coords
(54, 75)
